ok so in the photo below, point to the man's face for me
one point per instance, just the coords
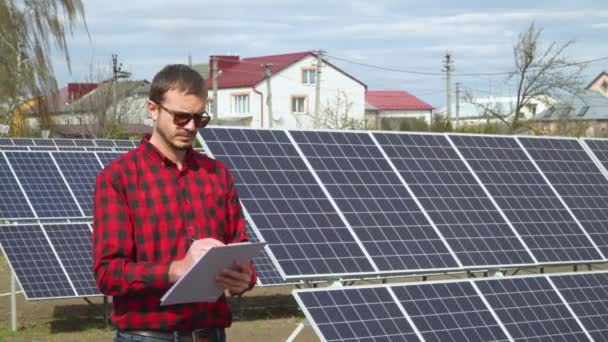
(179, 137)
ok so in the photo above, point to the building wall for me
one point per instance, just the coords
(288, 84)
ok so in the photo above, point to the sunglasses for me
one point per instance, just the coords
(181, 118)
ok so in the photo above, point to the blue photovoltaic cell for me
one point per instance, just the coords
(13, 203)
(80, 170)
(288, 207)
(578, 180)
(457, 204)
(6, 142)
(14, 148)
(107, 157)
(528, 201)
(72, 242)
(366, 314)
(377, 205)
(266, 271)
(124, 143)
(43, 148)
(43, 184)
(531, 310)
(449, 312)
(34, 263)
(587, 295)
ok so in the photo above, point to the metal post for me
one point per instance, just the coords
(295, 333)
(13, 302)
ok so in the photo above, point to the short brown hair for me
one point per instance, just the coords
(180, 77)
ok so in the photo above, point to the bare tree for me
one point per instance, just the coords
(541, 73)
(337, 114)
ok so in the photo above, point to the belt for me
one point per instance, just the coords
(202, 335)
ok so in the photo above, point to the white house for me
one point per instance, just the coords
(386, 108)
(243, 97)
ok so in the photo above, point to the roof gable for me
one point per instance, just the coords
(248, 72)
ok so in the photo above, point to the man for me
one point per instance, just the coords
(157, 209)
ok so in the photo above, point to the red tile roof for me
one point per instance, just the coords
(248, 72)
(395, 100)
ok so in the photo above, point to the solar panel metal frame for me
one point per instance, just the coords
(473, 282)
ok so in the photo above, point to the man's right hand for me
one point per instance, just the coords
(197, 248)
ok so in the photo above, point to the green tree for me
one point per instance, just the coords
(29, 31)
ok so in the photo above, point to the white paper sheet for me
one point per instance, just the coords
(198, 284)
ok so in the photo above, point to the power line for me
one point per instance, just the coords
(405, 71)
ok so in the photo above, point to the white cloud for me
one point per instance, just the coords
(600, 26)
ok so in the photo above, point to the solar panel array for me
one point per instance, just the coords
(403, 203)
(570, 307)
(50, 260)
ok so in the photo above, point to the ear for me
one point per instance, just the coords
(152, 110)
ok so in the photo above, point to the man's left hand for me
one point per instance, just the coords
(236, 280)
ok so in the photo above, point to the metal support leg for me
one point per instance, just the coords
(13, 302)
(542, 270)
(295, 333)
(575, 268)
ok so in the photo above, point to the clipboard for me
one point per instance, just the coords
(198, 284)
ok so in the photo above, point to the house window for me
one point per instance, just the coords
(309, 76)
(298, 104)
(209, 106)
(605, 85)
(241, 104)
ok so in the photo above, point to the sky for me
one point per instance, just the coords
(394, 34)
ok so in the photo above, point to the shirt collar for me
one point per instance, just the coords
(159, 156)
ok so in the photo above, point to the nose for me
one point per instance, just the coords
(190, 126)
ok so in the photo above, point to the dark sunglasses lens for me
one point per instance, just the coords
(182, 118)
(202, 121)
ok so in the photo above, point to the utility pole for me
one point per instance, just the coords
(190, 59)
(448, 68)
(117, 74)
(318, 88)
(214, 76)
(268, 74)
(457, 105)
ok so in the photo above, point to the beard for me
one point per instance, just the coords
(176, 141)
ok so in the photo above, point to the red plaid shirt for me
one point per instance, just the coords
(146, 212)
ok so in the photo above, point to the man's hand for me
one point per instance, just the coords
(235, 280)
(197, 248)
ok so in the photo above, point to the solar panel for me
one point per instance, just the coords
(14, 148)
(34, 263)
(43, 184)
(362, 314)
(528, 201)
(266, 271)
(456, 203)
(84, 142)
(44, 142)
(23, 142)
(449, 312)
(72, 242)
(80, 170)
(377, 205)
(13, 203)
(587, 295)
(65, 142)
(105, 143)
(531, 310)
(578, 180)
(288, 207)
(107, 157)
(42, 148)
(6, 142)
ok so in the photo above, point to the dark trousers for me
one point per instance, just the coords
(210, 335)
